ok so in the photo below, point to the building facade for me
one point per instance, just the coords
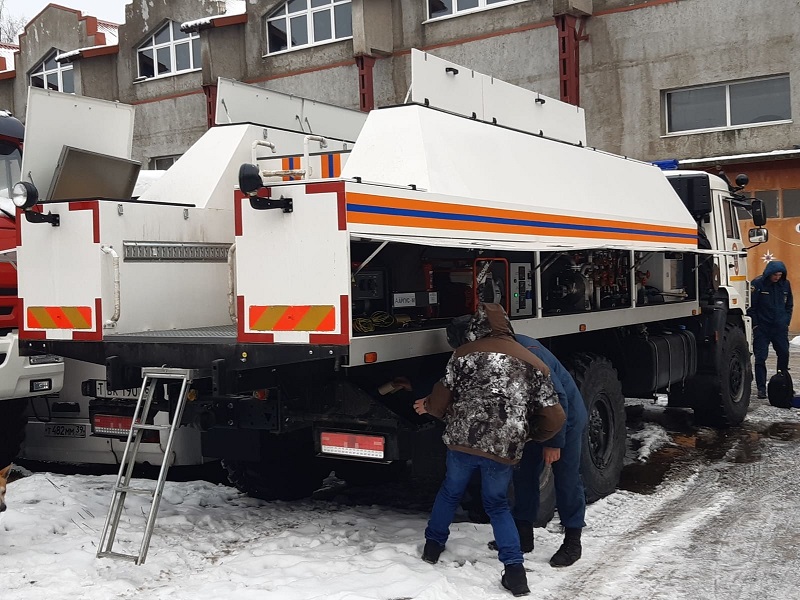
(714, 84)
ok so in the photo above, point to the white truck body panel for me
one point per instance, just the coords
(451, 87)
(525, 191)
(162, 284)
(243, 103)
(55, 120)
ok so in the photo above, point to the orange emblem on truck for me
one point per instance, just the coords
(59, 317)
(293, 318)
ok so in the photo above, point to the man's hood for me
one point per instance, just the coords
(489, 320)
(775, 266)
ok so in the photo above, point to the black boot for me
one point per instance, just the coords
(515, 580)
(525, 530)
(431, 552)
(570, 550)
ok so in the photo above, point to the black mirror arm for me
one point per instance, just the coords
(37, 217)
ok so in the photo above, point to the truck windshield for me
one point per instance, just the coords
(10, 170)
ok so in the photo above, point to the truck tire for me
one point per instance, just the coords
(726, 398)
(547, 498)
(12, 429)
(603, 451)
(287, 470)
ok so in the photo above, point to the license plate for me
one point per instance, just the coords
(351, 444)
(100, 391)
(70, 430)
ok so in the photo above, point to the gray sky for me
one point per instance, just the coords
(105, 10)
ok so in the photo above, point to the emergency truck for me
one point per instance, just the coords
(292, 303)
(21, 377)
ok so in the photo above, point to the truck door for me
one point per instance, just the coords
(732, 267)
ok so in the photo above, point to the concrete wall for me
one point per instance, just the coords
(636, 50)
(633, 57)
(62, 29)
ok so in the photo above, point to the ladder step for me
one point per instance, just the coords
(118, 555)
(133, 490)
(150, 427)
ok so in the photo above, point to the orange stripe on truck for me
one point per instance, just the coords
(60, 317)
(293, 318)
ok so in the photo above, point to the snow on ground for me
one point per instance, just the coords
(704, 533)
(725, 523)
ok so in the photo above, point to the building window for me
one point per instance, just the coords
(169, 51)
(446, 8)
(791, 203)
(302, 23)
(729, 105)
(52, 75)
(162, 163)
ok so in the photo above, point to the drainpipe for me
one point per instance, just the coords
(366, 89)
(570, 17)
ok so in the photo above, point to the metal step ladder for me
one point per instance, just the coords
(152, 377)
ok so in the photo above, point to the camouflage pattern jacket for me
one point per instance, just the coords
(496, 395)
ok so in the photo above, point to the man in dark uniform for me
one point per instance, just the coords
(771, 305)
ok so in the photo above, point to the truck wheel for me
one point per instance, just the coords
(287, 471)
(726, 400)
(547, 500)
(12, 429)
(603, 449)
(547, 497)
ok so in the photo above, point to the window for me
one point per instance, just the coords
(52, 75)
(162, 163)
(301, 23)
(731, 222)
(445, 8)
(791, 203)
(168, 52)
(729, 105)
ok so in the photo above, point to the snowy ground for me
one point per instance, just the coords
(724, 523)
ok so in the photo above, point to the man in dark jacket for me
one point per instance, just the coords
(563, 453)
(494, 397)
(771, 305)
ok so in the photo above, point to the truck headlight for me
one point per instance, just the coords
(24, 195)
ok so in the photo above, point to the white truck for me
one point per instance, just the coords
(299, 296)
(21, 377)
(43, 396)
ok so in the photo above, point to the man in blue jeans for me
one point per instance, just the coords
(494, 397)
(771, 305)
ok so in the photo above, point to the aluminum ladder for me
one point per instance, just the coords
(152, 377)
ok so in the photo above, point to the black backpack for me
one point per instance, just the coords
(780, 390)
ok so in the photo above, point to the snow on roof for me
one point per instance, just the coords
(232, 9)
(111, 31)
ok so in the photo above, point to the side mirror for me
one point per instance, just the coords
(742, 180)
(759, 212)
(758, 235)
(249, 179)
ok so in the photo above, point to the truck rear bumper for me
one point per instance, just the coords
(19, 378)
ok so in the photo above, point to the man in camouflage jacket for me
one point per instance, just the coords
(494, 397)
